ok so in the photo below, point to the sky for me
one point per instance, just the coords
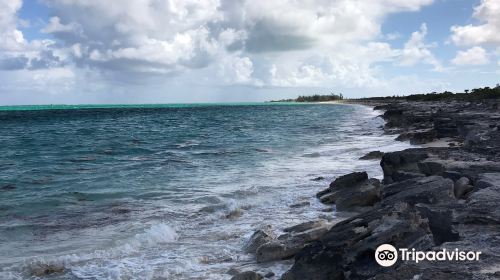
(183, 51)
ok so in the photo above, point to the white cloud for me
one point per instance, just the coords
(252, 42)
(172, 36)
(15, 51)
(142, 36)
(237, 70)
(349, 66)
(487, 31)
(472, 56)
(416, 50)
(326, 22)
(47, 80)
(11, 39)
(55, 26)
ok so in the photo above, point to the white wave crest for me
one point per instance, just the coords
(157, 234)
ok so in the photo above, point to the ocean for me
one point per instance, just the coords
(167, 191)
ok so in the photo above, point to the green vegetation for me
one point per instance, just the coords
(467, 95)
(314, 98)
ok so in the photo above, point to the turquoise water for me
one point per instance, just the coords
(166, 191)
(136, 106)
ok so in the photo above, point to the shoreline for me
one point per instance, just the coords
(442, 194)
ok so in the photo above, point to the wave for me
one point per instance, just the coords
(161, 233)
(157, 234)
(187, 144)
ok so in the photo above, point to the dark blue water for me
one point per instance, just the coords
(166, 192)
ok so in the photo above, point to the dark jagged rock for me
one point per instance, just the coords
(440, 219)
(269, 274)
(42, 270)
(430, 190)
(348, 248)
(487, 180)
(278, 250)
(462, 187)
(305, 226)
(402, 161)
(247, 275)
(351, 191)
(429, 167)
(372, 155)
(289, 244)
(259, 238)
(482, 207)
(232, 271)
(439, 197)
(421, 136)
(318, 179)
(300, 204)
(349, 179)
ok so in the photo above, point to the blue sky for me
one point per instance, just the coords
(160, 51)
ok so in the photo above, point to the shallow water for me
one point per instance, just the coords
(167, 192)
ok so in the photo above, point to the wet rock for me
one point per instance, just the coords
(351, 191)
(269, 274)
(233, 271)
(300, 204)
(372, 155)
(234, 214)
(247, 275)
(278, 250)
(295, 238)
(258, 238)
(310, 235)
(349, 180)
(318, 179)
(212, 208)
(341, 183)
(41, 270)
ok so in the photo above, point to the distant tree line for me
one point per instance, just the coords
(474, 94)
(314, 98)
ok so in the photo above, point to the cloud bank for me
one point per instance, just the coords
(100, 45)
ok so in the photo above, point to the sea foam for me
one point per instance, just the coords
(157, 234)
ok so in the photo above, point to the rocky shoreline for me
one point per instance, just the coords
(445, 194)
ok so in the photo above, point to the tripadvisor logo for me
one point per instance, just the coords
(387, 255)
